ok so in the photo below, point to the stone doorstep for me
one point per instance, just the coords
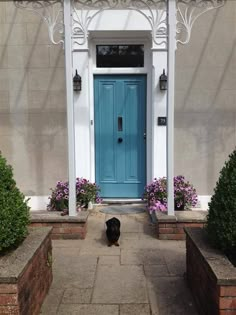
(64, 227)
(171, 227)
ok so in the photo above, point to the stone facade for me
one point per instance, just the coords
(32, 101)
(33, 109)
(205, 112)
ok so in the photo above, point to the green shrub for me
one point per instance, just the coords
(221, 219)
(14, 212)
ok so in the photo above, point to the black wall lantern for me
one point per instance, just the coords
(163, 81)
(77, 83)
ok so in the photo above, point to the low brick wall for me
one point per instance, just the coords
(172, 227)
(210, 275)
(64, 227)
(26, 274)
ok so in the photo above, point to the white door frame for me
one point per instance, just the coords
(113, 71)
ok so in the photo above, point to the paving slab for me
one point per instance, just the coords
(169, 295)
(77, 296)
(88, 309)
(120, 284)
(142, 276)
(142, 257)
(133, 309)
(156, 270)
(109, 260)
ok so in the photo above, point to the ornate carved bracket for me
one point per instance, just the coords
(51, 12)
(188, 11)
(86, 10)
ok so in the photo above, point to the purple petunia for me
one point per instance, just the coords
(156, 194)
(85, 192)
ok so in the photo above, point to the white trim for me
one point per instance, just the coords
(70, 107)
(171, 14)
(37, 202)
(203, 201)
(147, 70)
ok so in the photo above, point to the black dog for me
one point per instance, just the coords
(113, 231)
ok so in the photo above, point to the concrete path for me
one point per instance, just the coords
(143, 276)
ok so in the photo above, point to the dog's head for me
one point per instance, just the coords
(114, 222)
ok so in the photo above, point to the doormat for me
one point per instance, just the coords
(123, 209)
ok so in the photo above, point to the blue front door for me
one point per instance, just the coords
(120, 139)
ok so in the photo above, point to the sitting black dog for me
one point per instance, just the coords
(113, 231)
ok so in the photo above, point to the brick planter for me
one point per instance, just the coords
(64, 227)
(210, 275)
(172, 227)
(26, 274)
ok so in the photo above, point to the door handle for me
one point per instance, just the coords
(144, 136)
(120, 140)
(120, 123)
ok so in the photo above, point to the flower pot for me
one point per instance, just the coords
(180, 207)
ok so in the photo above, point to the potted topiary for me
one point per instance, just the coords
(211, 252)
(221, 219)
(25, 254)
(14, 211)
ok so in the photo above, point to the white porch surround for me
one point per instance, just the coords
(80, 27)
(171, 18)
(70, 107)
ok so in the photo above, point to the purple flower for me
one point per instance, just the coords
(85, 192)
(156, 193)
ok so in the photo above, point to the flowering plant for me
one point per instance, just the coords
(85, 192)
(156, 194)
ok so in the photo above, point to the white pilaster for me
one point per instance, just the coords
(171, 20)
(70, 107)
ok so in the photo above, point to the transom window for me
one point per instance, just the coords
(119, 56)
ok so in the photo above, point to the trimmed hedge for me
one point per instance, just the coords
(14, 212)
(221, 219)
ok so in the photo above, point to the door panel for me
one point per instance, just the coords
(120, 117)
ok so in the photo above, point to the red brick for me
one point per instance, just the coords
(65, 230)
(73, 236)
(227, 291)
(179, 230)
(227, 312)
(9, 310)
(170, 225)
(35, 224)
(32, 286)
(193, 224)
(56, 230)
(8, 288)
(227, 303)
(166, 230)
(56, 225)
(8, 299)
(57, 236)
